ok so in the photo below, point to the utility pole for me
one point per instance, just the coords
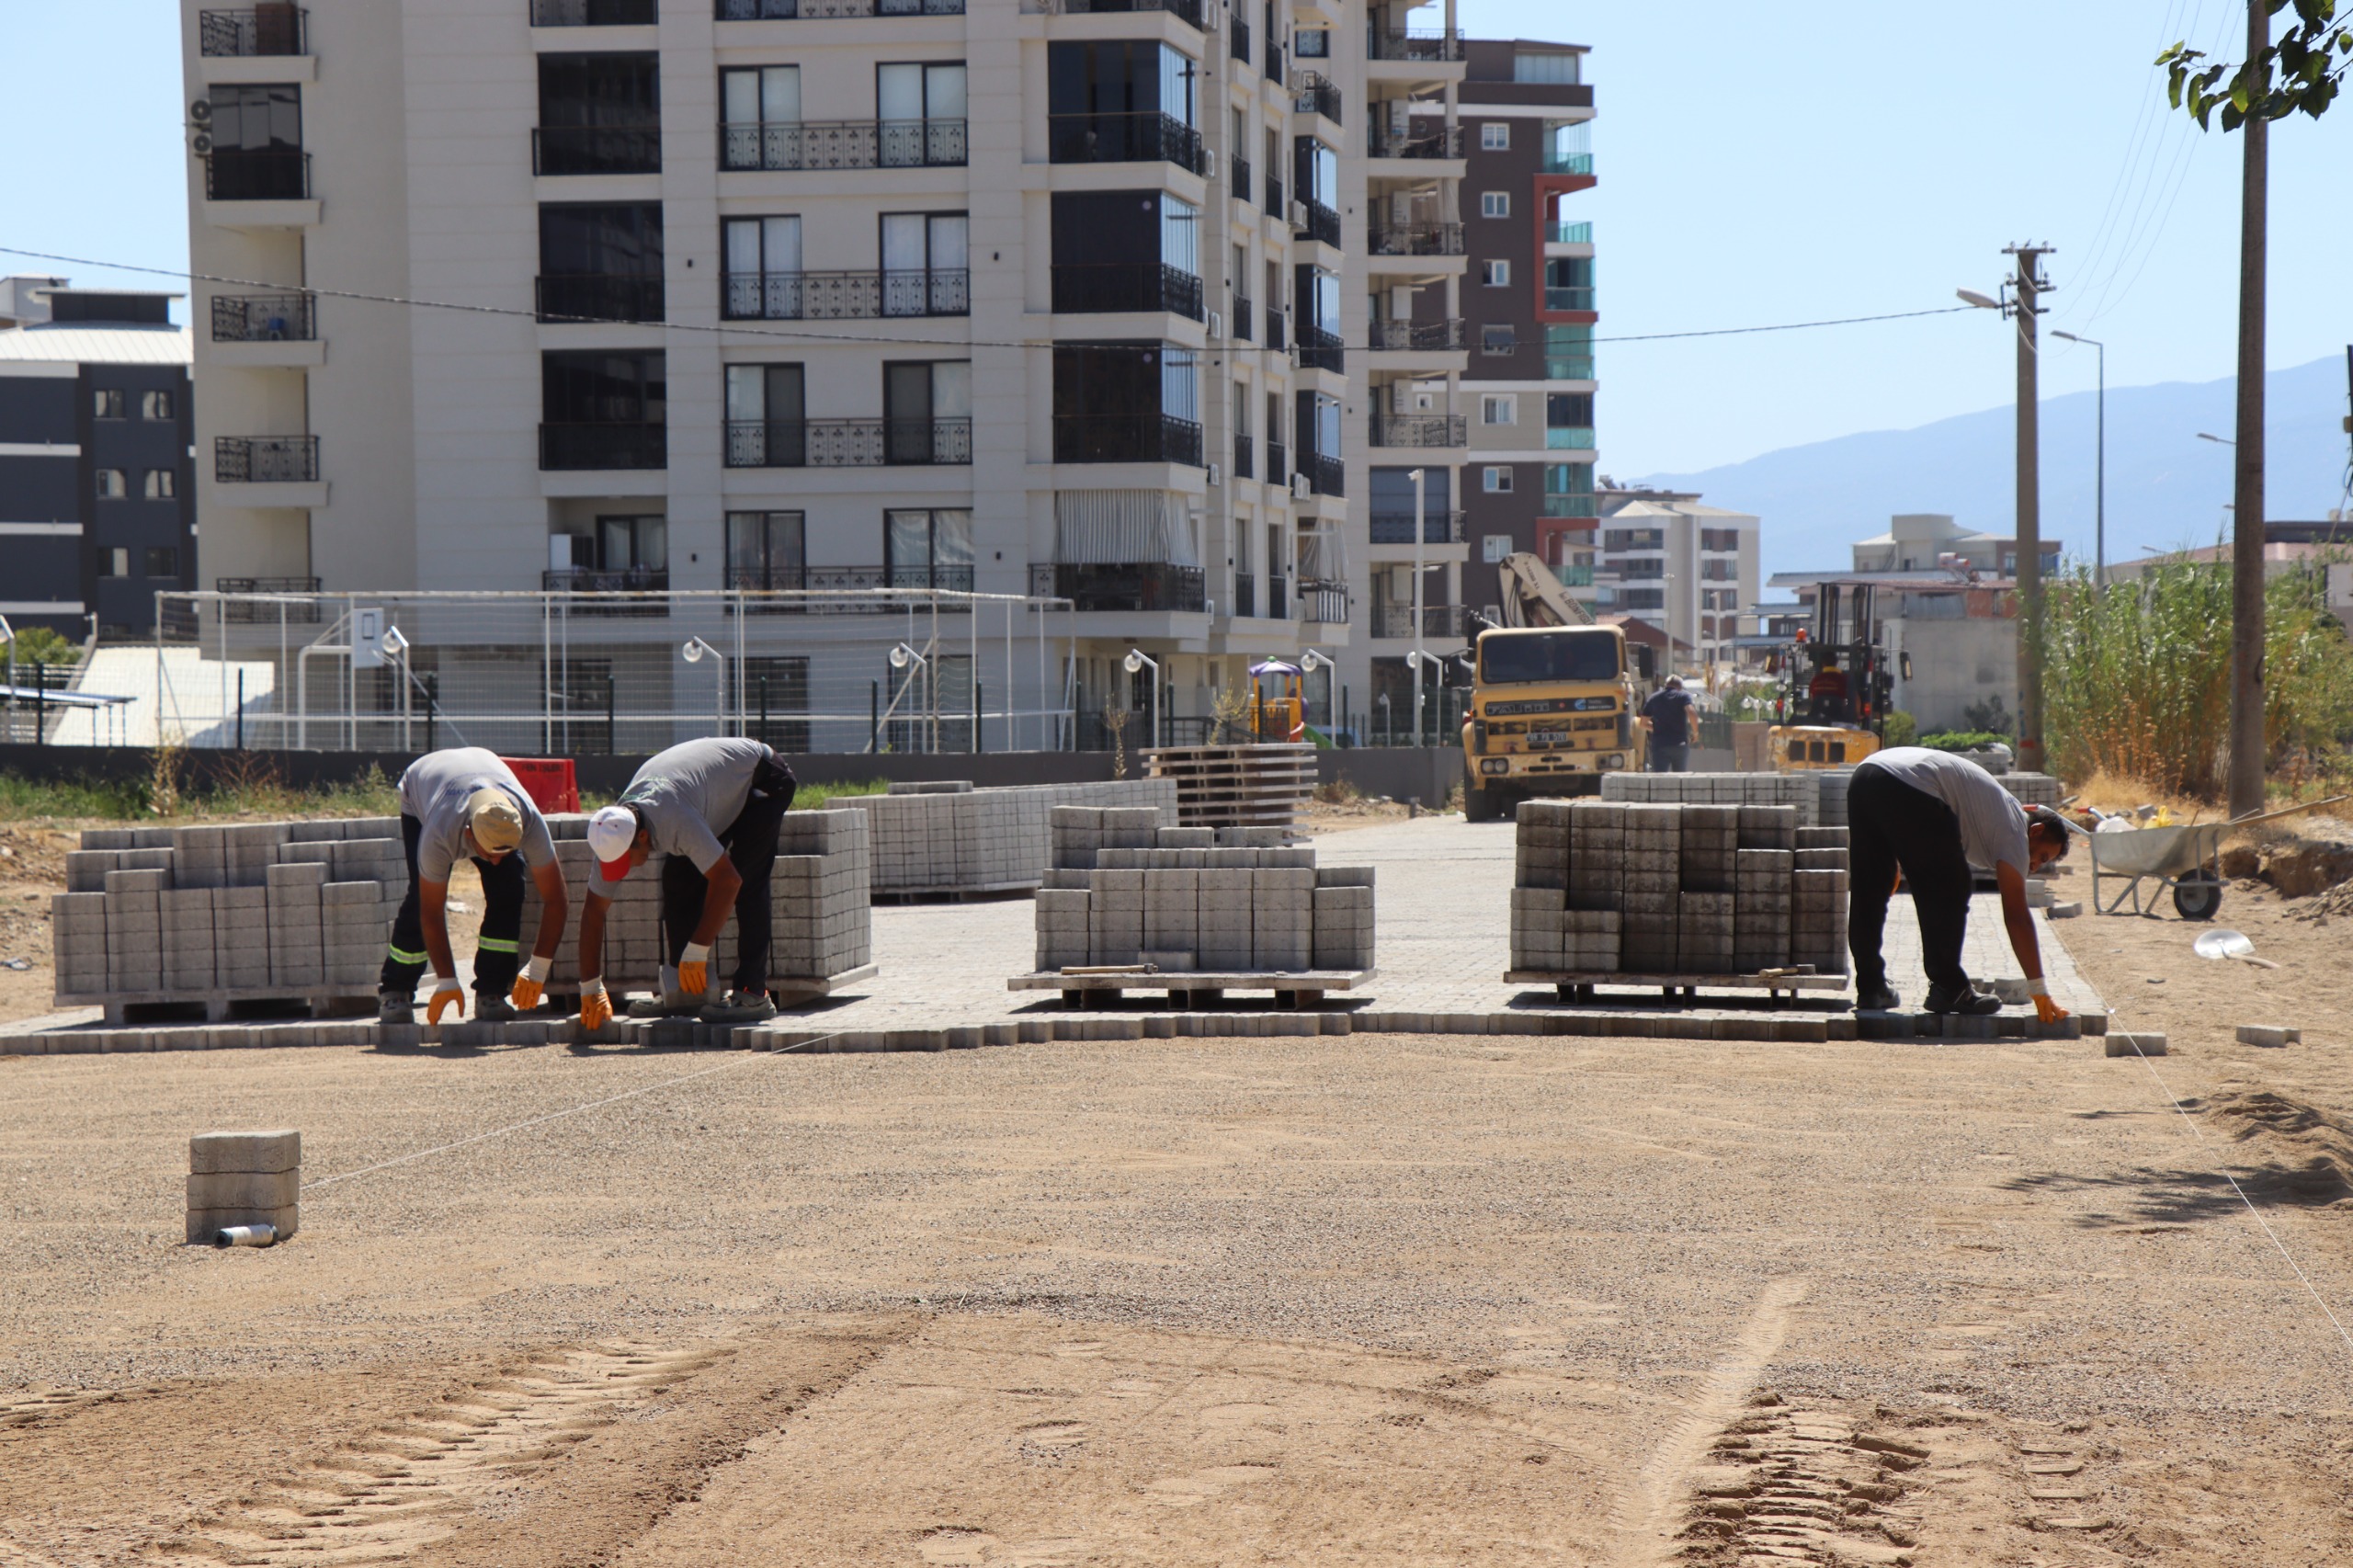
(2029, 283)
(2246, 499)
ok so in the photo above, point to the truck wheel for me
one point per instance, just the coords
(1479, 805)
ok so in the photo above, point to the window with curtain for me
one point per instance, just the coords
(905, 92)
(928, 548)
(766, 549)
(1319, 172)
(766, 417)
(640, 544)
(764, 94)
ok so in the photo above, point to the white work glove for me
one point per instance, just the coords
(533, 983)
(446, 993)
(694, 969)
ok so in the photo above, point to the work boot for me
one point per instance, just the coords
(396, 1006)
(1966, 1004)
(739, 1007)
(492, 1009)
(669, 1005)
(1877, 999)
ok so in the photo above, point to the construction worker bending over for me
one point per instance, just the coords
(1934, 815)
(712, 807)
(467, 801)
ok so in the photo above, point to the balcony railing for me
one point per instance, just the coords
(1568, 368)
(1323, 224)
(295, 607)
(264, 460)
(264, 29)
(598, 296)
(1568, 162)
(264, 318)
(1322, 601)
(843, 296)
(1274, 193)
(1277, 463)
(1323, 473)
(1241, 323)
(266, 174)
(1569, 437)
(1571, 505)
(1275, 328)
(632, 444)
(1397, 527)
(789, 10)
(1245, 597)
(1440, 623)
(1147, 138)
(1574, 577)
(1237, 37)
(1419, 430)
(1123, 286)
(844, 144)
(848, 443)
(1416, 239)
(1315, 94)
(1433, 336)
(596, 580)
(1423, 142)
(1126, 438)
(1321, 350)
(595, 13)
(1569, 233)
(1245, 454)
(1148, 585)
(596, 149)
(1414, 44)
(1568, 299)
(943, 578)
(1240, 185)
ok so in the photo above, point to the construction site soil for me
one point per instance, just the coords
(1366, 1299)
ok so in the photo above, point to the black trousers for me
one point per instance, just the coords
(750, 842)
(497, 953)
(1890, 824)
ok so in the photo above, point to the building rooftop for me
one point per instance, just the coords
(96, 343)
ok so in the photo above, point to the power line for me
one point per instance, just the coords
(2108, 231)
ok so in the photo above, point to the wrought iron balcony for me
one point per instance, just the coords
(1315, 94)
(1277, 463)
(1241, 323)
(1416, 239)
(603, 444)
(595, 13)
(1241, 181)
(1237, 37)
(1440, 623)
(1321, 350)
(264, 460)
(264, 318)
(1432, 336)
(1244, 450)
(1419, 430)
(1121, 286)
(843, 296)
(596, 149)
(598, 296)
(1425, 141)
(1126, 438)
(848, 443)
(1188, 11)
(1397, 527)
(1414, 44)
(1147, 586)
(1323, 224)
(946, 579)
(843, 144)
(1149, 137)
(595, 580)
(1245, 597)
(789, 10)
(270, 174)
(1322, 601)
(1274, 193)
(263, 29)
(1275, 322)
(1323, 473)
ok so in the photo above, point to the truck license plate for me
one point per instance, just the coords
(1549, 738)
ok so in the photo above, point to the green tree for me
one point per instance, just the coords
(40, 645)
(2300, 72)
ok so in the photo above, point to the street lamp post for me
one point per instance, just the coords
(694, 651)
(902, 655)
(2100, 526)
(1309, 662)
(1136, 662)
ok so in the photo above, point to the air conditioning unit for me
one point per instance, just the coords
(1217, 323)
(1299, 216)
(1301, 487)
(1217, 476)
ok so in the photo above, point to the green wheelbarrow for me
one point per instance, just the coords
(2184, 859)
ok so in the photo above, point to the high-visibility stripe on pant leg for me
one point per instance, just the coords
(402, 956)
(496, 945)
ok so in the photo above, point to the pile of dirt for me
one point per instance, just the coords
(2307, 1153)
(2312, 858)
(34, 853)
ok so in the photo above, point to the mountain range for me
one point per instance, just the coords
(2166, 487)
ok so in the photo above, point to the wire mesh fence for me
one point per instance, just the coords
(625, 672)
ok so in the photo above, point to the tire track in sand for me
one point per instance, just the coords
(1651, 1511)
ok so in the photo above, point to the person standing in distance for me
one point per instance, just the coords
(711, 807)
(1669, 713)
(1934, 815)
(467, 801)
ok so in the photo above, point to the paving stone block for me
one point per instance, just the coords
(2122, 1042)
(245, 1189)
(212, 1153)
(2271, 1035)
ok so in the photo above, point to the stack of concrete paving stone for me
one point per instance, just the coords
(2034, 788)
(243, 1178)
(1795, 790)
(944, 838)
(1125, 890)
(1672, 889)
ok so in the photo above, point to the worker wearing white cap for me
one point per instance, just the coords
(712, 808)
(466, 801)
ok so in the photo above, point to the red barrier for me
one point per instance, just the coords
(549, 780)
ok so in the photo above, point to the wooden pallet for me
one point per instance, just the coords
(1577, 985)
(221, 1003)
(956, 892)
(1190, 990)
(1258, 785)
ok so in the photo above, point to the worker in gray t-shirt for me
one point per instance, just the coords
(711, 808)
(466, 803)
(1935, 815)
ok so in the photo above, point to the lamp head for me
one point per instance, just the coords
(900, 654)
(693, 650)
(1134, 661)
(1972, 297)
(394, 642)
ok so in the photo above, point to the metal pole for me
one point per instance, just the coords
(2029, 284)
(40, 703)
(432, 707)
(241, 710)
(874, 720)
(1415, 657)
(2247, 524)
(612, 741)
(764, 705)
(976, 709)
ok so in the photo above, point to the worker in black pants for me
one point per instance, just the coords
(1933, 815)
(750, 842)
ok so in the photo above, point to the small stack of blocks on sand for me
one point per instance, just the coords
(1603, 887)
(820, 908)
(1125, 889)
(250, 911)
(243, 1178)
(950, 837)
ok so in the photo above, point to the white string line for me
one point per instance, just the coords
(310, 1187)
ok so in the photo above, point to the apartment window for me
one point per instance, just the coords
(163, 560)
(1565, 409)
(1496, 274)
(766, 549)
(634, 543)
(928, 548)
(155, 405)
(1318, 295)
(603, 410)
(1119, 102)
(1642, 599)
(1495, 480)
(107, 402)
(257, 132)
(1719, 539)
(113, 563)
(1126, 402)
(1126, 250)
(162, 485)
(925, 257)
(1494, 204)
(1553, 68)
(929, 96)
(113, 485)
(762, 268)
(1499, 341)
(928, 411)
(755, 106)
(1495, 136)
(1494, 547)
(599, 114)
(1499, 408)
(767, 417)
(1311, 43)
(600, 262)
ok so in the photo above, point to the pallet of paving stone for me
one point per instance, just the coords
(1303, 989)
(1246, 786)
(954, 840)
(1578, 984)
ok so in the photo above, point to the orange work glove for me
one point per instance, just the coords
(694, 969)
(596, 1007)
(2046, 1010)
(446, 996)
(532, 984)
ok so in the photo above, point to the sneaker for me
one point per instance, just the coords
(669, 1005)
(490, 1009)
(396, 1006)
(1877, 999)
(1967, 1004)
(739, 1007)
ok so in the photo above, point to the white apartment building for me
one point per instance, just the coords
(1071, 298)
(1688, 569)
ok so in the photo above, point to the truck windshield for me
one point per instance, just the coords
(1549, 656)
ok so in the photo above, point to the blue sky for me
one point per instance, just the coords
(1758, 164)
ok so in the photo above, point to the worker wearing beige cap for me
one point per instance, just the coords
(467, 801)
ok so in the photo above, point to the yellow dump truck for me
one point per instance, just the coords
(1554, 701)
